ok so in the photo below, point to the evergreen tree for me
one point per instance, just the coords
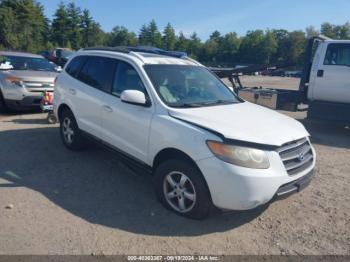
(73, 24)
(150, 36)
(155, 37)
(143, 35)
(194, 46)
(60, 32)
(22, 25)
(169, 37)
(181, 43)
(120, 36)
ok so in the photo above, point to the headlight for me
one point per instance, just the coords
(15, 80)
(240, 156)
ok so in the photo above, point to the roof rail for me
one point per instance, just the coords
(120, 49)
(139, 49)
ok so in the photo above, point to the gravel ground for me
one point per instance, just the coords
(53, 201)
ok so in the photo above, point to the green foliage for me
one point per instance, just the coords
(23, 26)
(120, 36)
(169, 38)
(336, 31)
(150, 35)
(60, 33)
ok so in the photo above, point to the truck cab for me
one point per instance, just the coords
(330, 72)
(324, 86)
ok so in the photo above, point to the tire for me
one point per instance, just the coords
(3, 107)
(71, 135)
(51, 119)
(193, 192)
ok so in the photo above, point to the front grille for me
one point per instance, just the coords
(296, 156)
(38, 87)
(38, 84)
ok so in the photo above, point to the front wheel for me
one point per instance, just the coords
(3, 107)
(180, 187)
(70, 133)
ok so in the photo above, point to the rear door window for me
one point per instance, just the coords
(74, 65)
(338, 54)
(98, 72)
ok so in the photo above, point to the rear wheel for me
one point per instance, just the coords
(70, 133)
(180, 187)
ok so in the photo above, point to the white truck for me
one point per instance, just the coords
(324, 85)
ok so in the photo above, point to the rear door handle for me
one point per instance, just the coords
(72, 91)
(320, 73)
(107, 108)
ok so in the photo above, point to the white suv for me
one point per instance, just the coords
(168, 114)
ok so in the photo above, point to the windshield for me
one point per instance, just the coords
(189, 86)
(26, 63)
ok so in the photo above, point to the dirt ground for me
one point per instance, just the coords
(53, 201)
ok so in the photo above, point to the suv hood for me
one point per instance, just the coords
(245, 122)
(35, 76)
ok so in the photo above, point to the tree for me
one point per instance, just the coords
(60, 32)
(311, 31)
(120, 36)
(228, 49)
(150, 35)
(7, 28)
(194, 46)
(181, 43)
(268, 47)
(250, 51)
(297, 43)
(169, 37)
(22, 25)
(336, 31)
(73, 25)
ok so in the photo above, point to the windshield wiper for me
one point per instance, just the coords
(218, 102)
(188, 105)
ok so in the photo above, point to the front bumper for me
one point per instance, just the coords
(28, 102)
(239, 188)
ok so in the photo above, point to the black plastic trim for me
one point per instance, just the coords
(132, 162)
(295, 186)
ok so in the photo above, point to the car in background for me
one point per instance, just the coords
(23, 79)
(59, 56)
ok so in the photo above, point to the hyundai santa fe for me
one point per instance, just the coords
(168, 114)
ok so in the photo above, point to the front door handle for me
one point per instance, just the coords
(320, 73)
(72, 91)
(107, 108)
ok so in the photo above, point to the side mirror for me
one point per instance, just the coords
(134, 97)
(58, 68)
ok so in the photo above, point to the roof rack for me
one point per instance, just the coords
(120, 49)
(139, 49)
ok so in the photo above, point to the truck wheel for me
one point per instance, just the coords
(70, 133)
(181, 188)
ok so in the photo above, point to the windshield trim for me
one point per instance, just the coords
(198, 104)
